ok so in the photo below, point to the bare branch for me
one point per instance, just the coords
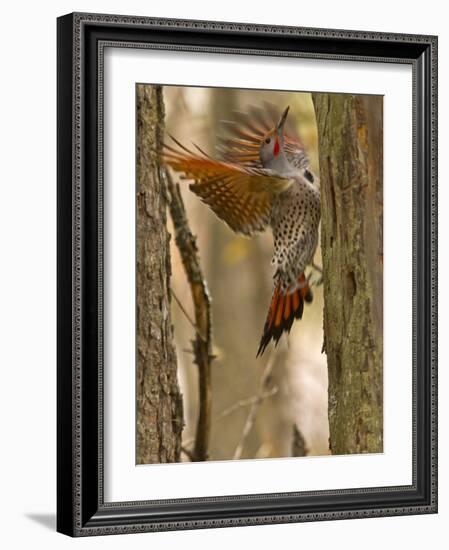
(188, 454)
(186, 314)
(188, 442)
(264, 380)
(202, 345)
(246, 402)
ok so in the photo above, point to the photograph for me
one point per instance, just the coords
(273, 280)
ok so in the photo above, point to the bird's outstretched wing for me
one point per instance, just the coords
(240, 196)
(243, 137)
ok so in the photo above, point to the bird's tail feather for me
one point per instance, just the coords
(285, 307)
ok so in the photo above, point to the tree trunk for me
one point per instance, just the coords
(159, 401)
(351, 164)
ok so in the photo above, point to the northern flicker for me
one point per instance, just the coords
(262, 178)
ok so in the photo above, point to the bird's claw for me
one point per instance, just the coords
(317, 282)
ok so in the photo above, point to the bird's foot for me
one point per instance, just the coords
(319, 281)
(311, 280)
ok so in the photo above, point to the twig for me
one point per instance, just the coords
(254, 407)
(188, 442)
(187, 316)
(299, 446)
(188, 454)
(246, 402)
(317, 267)
(202, 345)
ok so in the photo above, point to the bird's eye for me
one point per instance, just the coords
(309, 176)
(268, 140)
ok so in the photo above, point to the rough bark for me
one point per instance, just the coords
(159, 401)
(351, 163)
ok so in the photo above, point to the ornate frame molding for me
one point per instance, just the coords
(81, 42)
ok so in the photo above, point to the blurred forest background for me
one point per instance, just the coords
(292, 418)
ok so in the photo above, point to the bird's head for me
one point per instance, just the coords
(271, 152)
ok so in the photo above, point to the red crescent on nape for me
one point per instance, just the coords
(276, 148)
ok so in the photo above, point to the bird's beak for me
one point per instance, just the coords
(280, 124)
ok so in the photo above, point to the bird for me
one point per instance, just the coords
(260, 177)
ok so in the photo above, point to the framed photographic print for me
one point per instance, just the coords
(247, 280)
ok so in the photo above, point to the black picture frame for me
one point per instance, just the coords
(81, 509)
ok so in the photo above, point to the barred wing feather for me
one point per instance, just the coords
(240, 196)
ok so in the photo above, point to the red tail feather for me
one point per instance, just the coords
(284, 308)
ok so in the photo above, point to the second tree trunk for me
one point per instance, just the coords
(350, 151)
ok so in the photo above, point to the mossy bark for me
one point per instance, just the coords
(159, 401)
(351, 165)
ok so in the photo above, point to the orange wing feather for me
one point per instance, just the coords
(240, 196)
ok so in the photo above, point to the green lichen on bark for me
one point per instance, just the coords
(159, 401)
(350, 152)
